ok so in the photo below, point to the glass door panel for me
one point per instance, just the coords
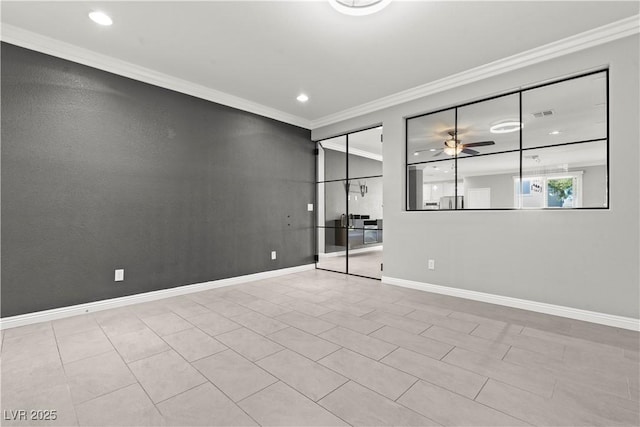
(365, 229)
(349, 214)
(332, 239)
(364, 202)
(332, 229)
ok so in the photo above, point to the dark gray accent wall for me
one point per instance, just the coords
(102, 172)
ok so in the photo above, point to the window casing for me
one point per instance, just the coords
(484, 155)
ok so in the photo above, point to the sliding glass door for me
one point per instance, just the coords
(349, 221)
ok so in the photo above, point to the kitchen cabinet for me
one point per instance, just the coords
(362, 232)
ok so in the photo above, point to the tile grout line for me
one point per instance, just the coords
(110, 392)
(380, 359)
(64, 370)
(481, 388)
(476, 327)
(129, 368)
(277, 380)
(440, 385)
(408, 388)
(368, 388)
(324, 357)
(330, 392)
(206, 380)
(372, 332)
(447, 353)
(316, 402)
(225, 394)
(506, 352)
(499, 410)
(269, 355)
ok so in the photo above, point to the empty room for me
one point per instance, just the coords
(320, 212)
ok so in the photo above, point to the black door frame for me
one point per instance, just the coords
(316, 226)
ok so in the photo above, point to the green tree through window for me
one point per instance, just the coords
(559, 191)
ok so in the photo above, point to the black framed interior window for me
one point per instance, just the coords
(543, 147)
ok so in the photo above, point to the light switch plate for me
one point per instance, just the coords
(273, 254)
(119, 276)
(310, 207)
(432, 264)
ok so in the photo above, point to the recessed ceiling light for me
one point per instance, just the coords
(416, 153)
(554, 132)
(432, 149)
(302, 97)
(359, 7)
(100, 18)
(506, 127)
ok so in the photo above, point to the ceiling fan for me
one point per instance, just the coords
(453, 147)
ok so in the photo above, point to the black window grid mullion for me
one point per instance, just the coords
(521, 149)
(347, 188)
(455, 160)
(520, 195)
(406, 162)
(607, 119)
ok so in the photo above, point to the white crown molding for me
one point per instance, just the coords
(597, 36)
(75, 310)
(50, 46)
(607, 33)
(539, 307)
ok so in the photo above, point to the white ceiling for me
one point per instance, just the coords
(267, 52)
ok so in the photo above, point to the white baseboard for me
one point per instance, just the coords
(540, 307)
(90, 307)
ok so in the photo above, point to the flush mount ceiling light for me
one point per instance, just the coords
(359, 7)
(100, 18)
(506, 127)
(302, 97)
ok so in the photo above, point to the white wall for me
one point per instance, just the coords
(586, 259)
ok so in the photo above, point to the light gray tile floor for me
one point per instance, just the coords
(319, 348)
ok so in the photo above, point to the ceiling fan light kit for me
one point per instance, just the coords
(452, 147)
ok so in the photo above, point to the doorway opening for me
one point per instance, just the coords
(349, 223)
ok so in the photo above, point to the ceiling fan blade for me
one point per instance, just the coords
(438, 153)
(479, 143)
(472, 152)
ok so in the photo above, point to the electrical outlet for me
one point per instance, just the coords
(273, 255)
(119, 275)
(432, 264)
(310, 207)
